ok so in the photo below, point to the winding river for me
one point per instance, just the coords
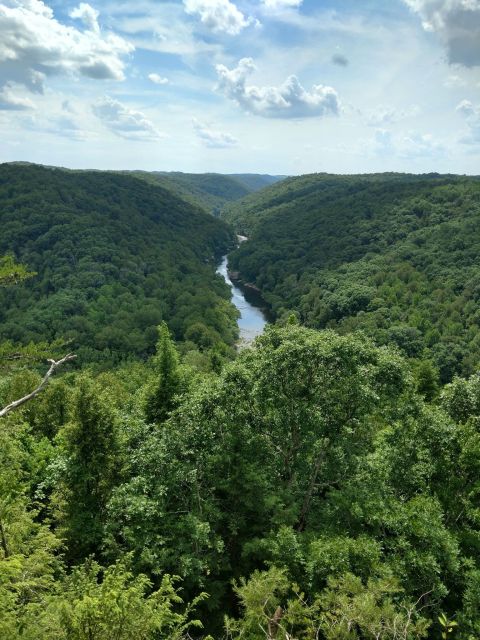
(252, 319)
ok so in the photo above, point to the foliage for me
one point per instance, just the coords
(113, 604)
(114, 256)
(392, 255)
(88, 468)
(274, 608)
(12, 273)
(312, 453)
(160, 398)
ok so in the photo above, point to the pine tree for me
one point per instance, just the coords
(161, 397)
(90, 444)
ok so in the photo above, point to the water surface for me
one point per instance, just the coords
(252, 319)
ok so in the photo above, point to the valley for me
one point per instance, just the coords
(187, 456)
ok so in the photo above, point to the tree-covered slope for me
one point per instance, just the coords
(207, 190)
(394, 255)
(114, 257)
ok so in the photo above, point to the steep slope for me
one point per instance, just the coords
(114, 257)
(393, 255)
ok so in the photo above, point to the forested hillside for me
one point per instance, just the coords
(114, 257)
(393, 255)
(208, 190)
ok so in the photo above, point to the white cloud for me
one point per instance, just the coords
(34, 44)
(88, 15)
(213, 139)
(161, 27)
(289, 100)
(218, 15)
(458, 24)
(11, 101)
(124, 122)
(410, 145)
(282, 4)
(156, 79)
(471, 113)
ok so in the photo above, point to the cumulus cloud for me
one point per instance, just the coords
(34, 45)
(457, 22)
(88, 15)
(218, 15)
(410, 145)
(156, 79)
(124, 122)
(471, 113)
(289, 100)
(211, 138)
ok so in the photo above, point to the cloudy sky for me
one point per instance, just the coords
(274, 86)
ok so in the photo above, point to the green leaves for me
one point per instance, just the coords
(448, 626)
(273, 607)
(13, 273)
(168, 382)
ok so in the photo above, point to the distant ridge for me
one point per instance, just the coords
(208, 190)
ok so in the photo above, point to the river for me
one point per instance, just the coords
(252, 319)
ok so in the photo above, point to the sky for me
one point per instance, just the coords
(230, 86)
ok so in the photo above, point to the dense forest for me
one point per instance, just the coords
(393, 255)
(321, 484)
(114, 257)
(209, 190)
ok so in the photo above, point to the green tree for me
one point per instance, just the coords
(161, 396)
(13, 273)
(273, 608)
(87, 468)
(113, 604)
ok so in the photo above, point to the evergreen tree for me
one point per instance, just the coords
(90, 469)
(161, 396)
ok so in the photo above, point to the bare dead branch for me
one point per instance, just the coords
(54, 364)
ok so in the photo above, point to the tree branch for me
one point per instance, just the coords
(54, 364)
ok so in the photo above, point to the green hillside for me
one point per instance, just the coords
(114, 257)
(212, 191)
(393, 255)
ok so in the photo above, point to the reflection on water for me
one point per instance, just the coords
(252, 319)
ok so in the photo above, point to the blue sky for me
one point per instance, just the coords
(274, 86)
